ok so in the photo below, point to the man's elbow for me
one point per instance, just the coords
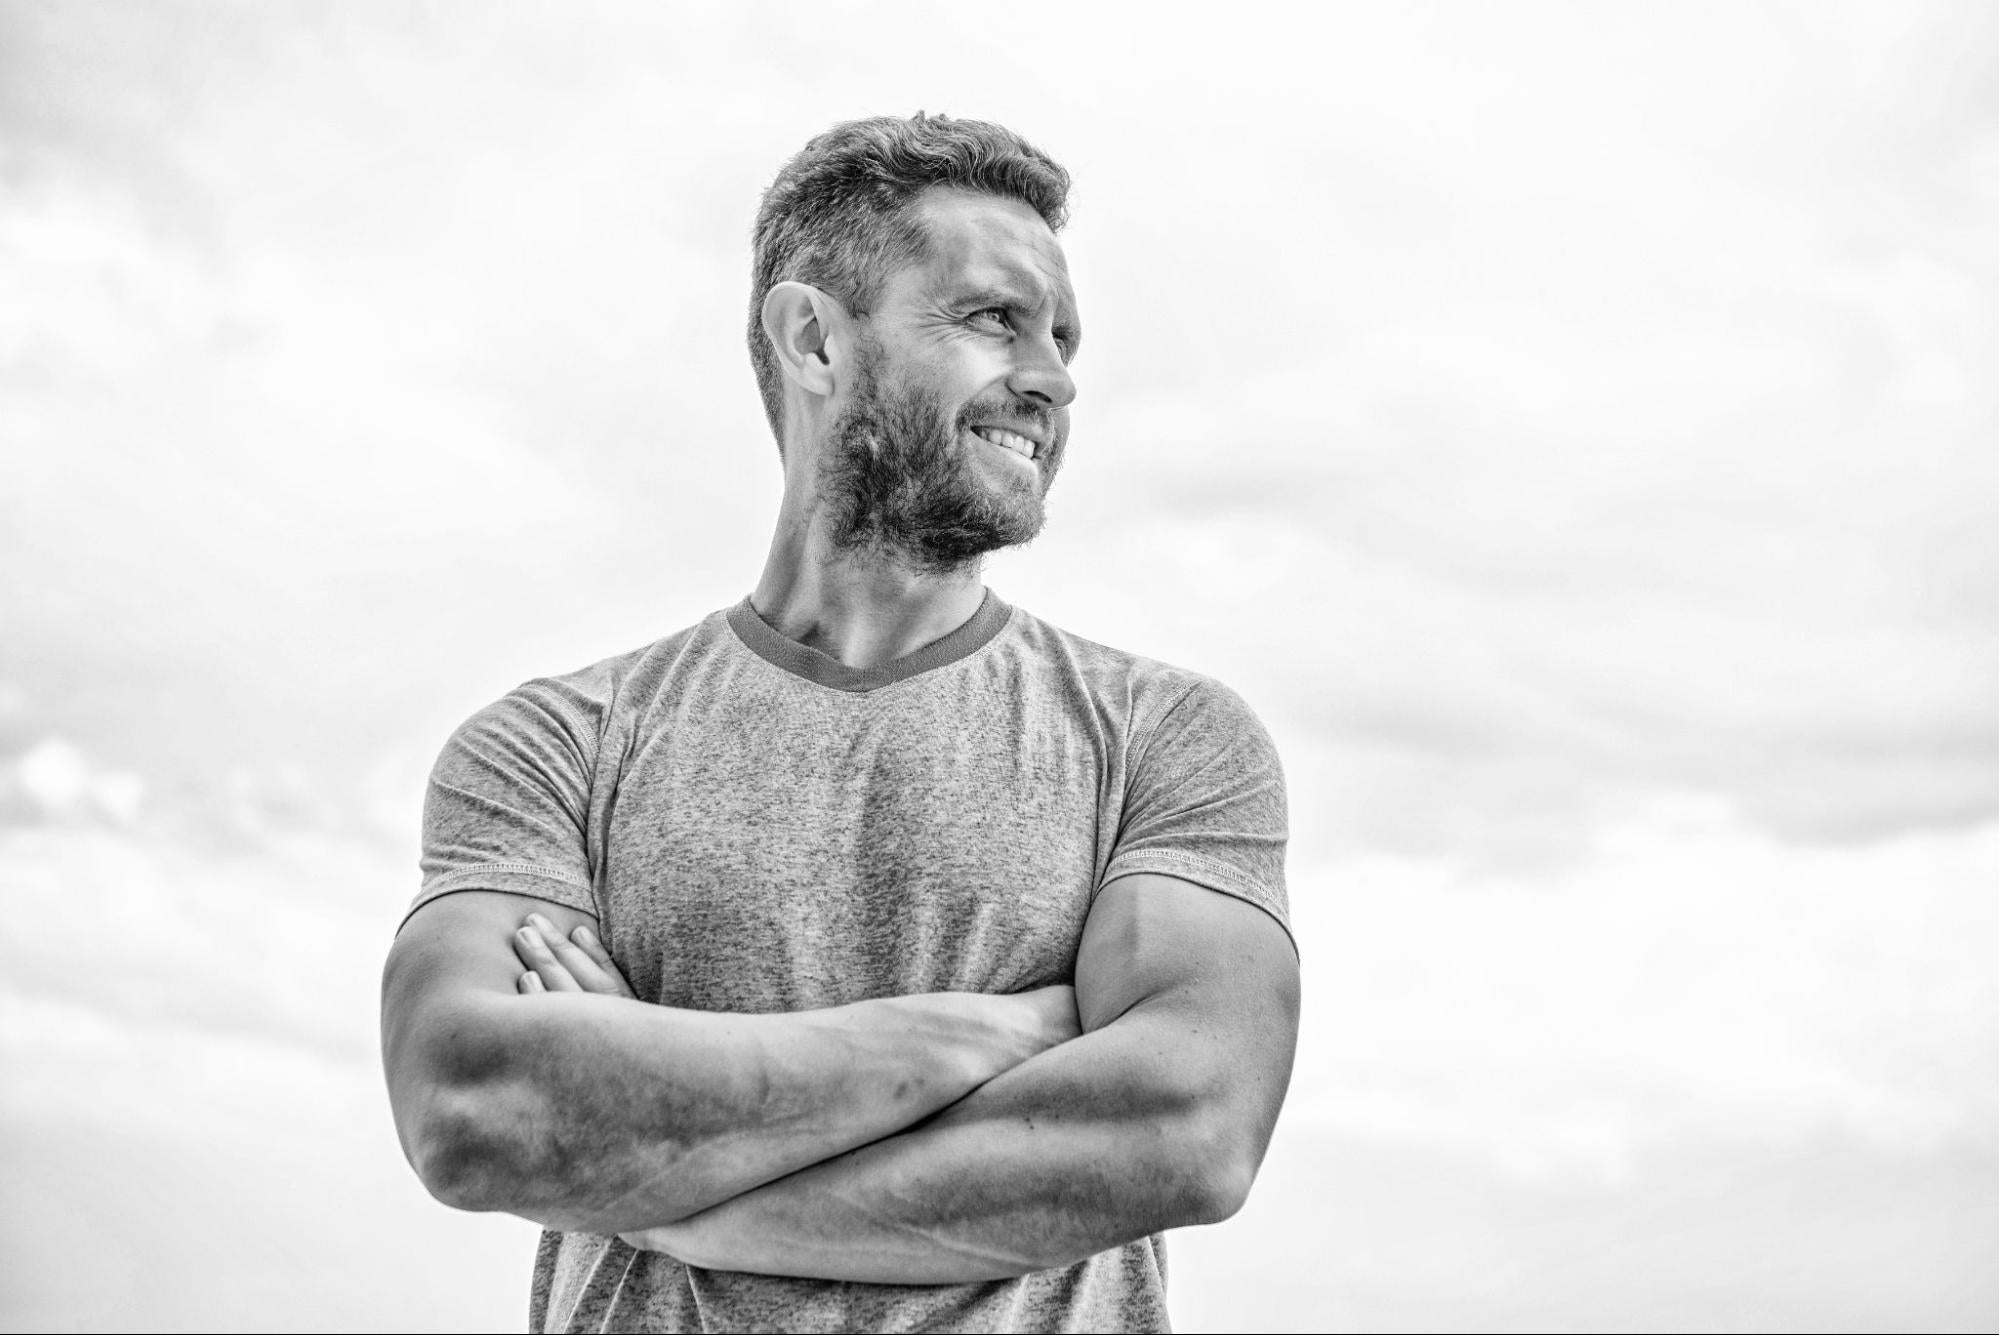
(462, 1109)
(497, 1146)
(1215, 1142)
(1222, 1156)
(464, 1156)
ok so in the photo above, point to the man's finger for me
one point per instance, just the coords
(588, 942)
(588, 975)
(530, 983)
(532, 948)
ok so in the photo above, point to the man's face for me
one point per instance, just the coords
(958, 412)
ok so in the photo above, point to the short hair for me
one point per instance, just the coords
(838, 215)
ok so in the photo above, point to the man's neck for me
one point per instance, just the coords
(862, 612)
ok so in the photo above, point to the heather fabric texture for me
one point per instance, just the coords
(760, 828)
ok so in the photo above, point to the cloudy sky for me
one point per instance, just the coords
(1573, 428)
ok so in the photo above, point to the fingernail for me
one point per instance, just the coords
(541, 922)
(529, 935)
(582, 936)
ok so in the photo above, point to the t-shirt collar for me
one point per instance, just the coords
(801, 660)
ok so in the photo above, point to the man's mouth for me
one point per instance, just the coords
(1007, 440)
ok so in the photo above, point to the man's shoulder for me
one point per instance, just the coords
(583, 697)
(1166, 712)
(1102, 667)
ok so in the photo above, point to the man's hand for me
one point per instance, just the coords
(1039, 1019)
(557, 963)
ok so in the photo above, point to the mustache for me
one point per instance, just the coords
(1008, 409)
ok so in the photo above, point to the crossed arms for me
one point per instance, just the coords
(931, 1139)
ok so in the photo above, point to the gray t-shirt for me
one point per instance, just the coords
(758, 827)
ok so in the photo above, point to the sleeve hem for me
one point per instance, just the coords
(513, 878)
(1209, 874)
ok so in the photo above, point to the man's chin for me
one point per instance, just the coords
(944, 547)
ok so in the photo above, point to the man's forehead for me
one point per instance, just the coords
(983, 242)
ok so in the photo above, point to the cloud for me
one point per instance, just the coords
(55, 780)
(1354, 1233)
(247, 926)
(1691, 978)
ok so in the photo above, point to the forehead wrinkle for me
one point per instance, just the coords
(990, 255)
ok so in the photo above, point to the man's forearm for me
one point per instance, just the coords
(1078, 1150)
(601, 1114)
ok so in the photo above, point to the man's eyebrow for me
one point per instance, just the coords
(1010, 297)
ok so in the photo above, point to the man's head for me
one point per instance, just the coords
(911, 324)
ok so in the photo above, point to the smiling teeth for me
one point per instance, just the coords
(1011, 440)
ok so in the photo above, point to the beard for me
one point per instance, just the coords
(899, 486)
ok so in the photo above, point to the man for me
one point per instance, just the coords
(871, 955)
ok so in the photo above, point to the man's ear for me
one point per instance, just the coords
(809, 332)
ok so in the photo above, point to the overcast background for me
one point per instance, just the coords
(1574, 429)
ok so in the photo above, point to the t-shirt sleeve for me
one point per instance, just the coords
(1204, 801)
(509, 801)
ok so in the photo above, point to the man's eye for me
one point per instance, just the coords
(997, 313)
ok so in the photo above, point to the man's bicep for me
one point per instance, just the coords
(457, 946)
(1216, 974)
(1149, 936)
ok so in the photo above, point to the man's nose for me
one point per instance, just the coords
(1039, 374)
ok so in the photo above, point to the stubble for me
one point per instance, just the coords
(899, 488)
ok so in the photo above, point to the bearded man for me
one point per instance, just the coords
(871, 955)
